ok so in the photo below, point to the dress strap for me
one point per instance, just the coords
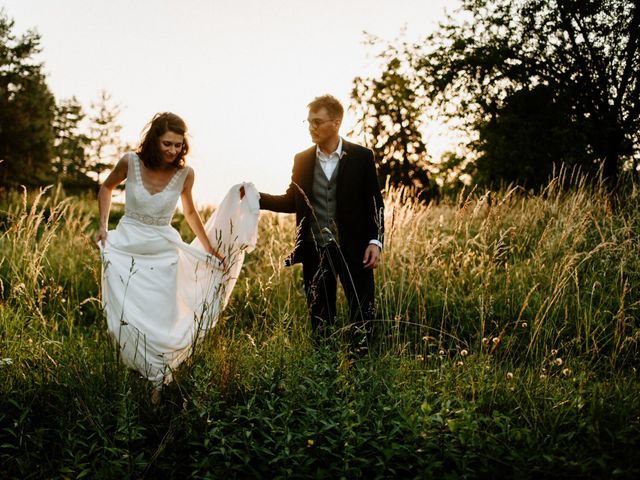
(178, 178)
(136, 167)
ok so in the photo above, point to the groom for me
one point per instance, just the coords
(336, 197)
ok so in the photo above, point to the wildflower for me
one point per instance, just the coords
(554, 352)
(542, 376)
(485, 341)
(419, 357)
(310, 442)
(441, 352)
(566, 372)
(463, 353)
(558, 361)
(459, 363)
(509, 375)
(6, 361)
(524, 324)
(496, 340)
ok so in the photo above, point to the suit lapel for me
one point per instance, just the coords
(309, 165)
(342, 188)
(308, 161)
(346, 148)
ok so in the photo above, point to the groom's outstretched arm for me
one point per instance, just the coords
(279, 203)
(285, 203)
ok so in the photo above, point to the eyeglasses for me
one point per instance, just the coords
(316, 122)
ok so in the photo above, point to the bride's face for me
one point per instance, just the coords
(170, 144)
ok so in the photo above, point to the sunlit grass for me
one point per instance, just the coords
(506, 345)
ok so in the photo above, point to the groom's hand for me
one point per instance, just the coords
(371, 257)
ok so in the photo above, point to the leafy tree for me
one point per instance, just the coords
(540, 81)
(105, 146)
(531, 132)
(390, 109)
(43, 142)
(71, 163)
(26, 110)
(86, 144)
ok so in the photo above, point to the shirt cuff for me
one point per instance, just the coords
(376, 242)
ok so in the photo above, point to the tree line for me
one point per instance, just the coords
(532, 84)
(43, 140)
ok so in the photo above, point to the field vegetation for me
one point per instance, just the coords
(506, 346)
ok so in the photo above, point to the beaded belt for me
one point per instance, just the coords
(148, 219)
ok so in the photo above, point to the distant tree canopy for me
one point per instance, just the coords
(105, 145)
(26, 110)
(389, 110)
(43, 141)
(536, 83)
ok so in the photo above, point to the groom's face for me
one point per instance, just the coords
(321, 126)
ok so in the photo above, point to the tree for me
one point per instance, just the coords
(105, 147)
(26, 110)
(86, 144)
(71, 163)
(531, 132)
(390, 110)
(579, 58)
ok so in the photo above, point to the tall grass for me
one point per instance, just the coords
(506, 345)
(540, 273)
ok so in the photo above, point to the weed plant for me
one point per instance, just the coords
(506, 345)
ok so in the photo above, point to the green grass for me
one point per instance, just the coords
(507, 346)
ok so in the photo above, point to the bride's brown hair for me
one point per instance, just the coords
(161, 123)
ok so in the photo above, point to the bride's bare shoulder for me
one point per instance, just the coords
(122, 167)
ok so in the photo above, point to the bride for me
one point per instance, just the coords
(160, 294)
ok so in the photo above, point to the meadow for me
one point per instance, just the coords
(506, 347)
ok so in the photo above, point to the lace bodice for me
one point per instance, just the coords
(152, 209)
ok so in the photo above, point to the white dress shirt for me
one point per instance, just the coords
(329, 162)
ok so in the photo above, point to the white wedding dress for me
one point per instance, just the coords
(160, 295)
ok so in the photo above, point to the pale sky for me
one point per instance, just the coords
(240, 72)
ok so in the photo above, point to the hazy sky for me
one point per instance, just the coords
(240, 72)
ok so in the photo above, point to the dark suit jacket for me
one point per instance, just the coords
(359, 206)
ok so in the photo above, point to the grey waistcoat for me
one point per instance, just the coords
(323, 223)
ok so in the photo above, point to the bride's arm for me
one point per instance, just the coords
(115, 178)
(193, 218)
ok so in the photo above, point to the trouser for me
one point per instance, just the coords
(321, 268)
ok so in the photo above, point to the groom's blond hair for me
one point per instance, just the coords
(331, 103)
